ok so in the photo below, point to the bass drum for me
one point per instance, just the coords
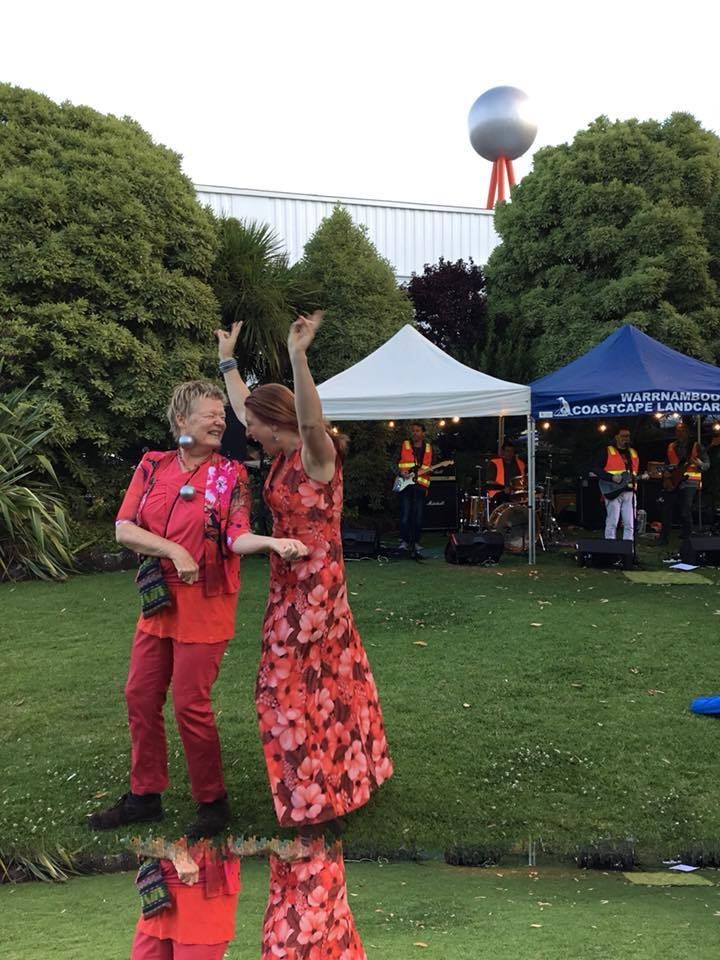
(511, 520)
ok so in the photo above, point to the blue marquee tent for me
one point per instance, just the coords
(627, 374)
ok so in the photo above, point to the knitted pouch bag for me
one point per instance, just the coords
(153, 891)
(153, 590)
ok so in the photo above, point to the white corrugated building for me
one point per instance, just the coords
(409, 235)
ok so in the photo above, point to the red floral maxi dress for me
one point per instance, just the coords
(320, 719)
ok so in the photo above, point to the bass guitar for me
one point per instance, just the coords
(402, 482)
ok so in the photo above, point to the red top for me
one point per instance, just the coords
(203, 913)
(193, 617)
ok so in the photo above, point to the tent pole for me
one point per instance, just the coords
(531, 488)
(501, 433)
(700, 493)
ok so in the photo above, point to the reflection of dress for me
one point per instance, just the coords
(320, 720)
(307, 915)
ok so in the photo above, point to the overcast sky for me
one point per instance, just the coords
(360, 99)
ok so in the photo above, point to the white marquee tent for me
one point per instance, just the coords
(410, 377)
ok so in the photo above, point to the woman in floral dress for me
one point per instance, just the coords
(320, 719)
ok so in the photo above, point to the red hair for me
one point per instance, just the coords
(275, 403)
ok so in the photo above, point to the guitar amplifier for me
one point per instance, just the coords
(441, 508)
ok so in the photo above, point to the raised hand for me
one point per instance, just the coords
(227, 339)
(303, 330)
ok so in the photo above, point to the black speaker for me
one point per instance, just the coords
(474, 547)
(701, 551)
(605, 553)
(591, 513)
(358, 543)
(441, 506)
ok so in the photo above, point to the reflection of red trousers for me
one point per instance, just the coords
(150, 948)
(192, 668)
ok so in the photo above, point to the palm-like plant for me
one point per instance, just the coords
(34, 536)
(252, 282)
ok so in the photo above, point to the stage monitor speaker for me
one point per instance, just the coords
(441, 507)
(359, 543)
(701, 551)
(605, 553)
(467, 547)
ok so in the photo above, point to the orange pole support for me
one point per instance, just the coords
(510, 172)
(501, 179)
(493, 187)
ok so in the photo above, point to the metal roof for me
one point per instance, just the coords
(409, 235)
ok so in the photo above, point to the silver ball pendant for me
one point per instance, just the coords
(187, 491)
(186, 441)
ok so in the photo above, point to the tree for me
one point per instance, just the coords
(451, 308)
(364, 308)
(105, 255)
(620, 226)
(357, 289)
(252, 283)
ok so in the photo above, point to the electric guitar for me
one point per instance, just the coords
(402, 482)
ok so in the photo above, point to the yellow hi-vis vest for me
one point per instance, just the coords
(407, 460)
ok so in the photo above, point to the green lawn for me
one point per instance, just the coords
(551, 703)
(458, 913)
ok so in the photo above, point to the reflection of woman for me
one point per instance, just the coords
(320, 719)
(202, 887)
(187, 507)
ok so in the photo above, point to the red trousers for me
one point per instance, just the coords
(150, 948)
(192, 668)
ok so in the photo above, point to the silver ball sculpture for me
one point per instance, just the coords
(501, 128)
(502, 124)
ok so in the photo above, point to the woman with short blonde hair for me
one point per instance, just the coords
(184, 511)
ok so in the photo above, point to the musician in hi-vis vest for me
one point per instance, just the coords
(415, 458)
(686, 462)
(617, 467)
(508, 470)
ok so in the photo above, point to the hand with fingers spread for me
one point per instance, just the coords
(289, 549)
(302, 332)
(227, 339)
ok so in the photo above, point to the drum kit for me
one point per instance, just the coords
(510, 518)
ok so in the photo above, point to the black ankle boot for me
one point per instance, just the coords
(212, 818)
(130, 808)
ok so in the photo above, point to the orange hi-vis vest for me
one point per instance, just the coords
(691, 472)
(407, 460)
(615, 462)
(499, 465)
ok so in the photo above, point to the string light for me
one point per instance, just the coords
(334, 429)
(602, 428)
(391, 424)
(546, 425)
(456, 419)
(441, 423)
